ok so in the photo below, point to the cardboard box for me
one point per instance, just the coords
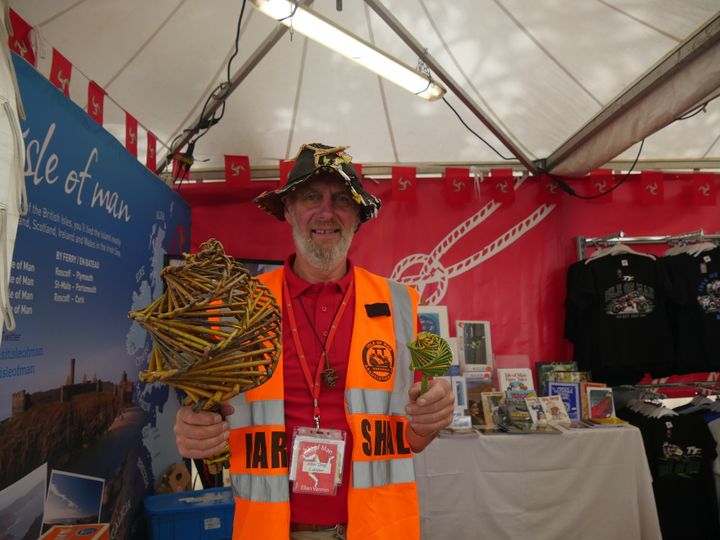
(91, 531)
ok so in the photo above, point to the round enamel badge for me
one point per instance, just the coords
(379, 360)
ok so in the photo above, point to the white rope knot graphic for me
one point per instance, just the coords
(428, 268)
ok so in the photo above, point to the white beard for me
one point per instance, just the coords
(321, 257)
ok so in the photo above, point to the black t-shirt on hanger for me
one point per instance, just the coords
(680, 452)
(696, 317)
(623, 330)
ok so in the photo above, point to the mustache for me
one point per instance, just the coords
(322, 224)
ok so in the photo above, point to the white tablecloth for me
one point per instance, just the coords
(581, 485)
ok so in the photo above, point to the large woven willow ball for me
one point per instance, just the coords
(215, 329)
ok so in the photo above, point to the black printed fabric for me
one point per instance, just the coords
(696, 314)
(622, 329)
(680, 452)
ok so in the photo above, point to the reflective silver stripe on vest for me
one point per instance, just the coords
(269, 412)
(368, 474)
(255, 487)
(383, 472)
(363, 401)
(405, 325)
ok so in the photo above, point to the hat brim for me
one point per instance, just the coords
(271, 201)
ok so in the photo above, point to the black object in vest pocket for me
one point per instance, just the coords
(377, 310)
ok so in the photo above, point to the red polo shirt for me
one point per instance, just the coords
(315, 306)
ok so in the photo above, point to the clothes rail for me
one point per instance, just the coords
(626, 393)
(712, 387)
(583, 242)
(711, 384)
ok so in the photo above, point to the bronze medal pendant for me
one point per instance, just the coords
(329, 377)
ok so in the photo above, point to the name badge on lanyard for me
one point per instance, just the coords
(317, 460)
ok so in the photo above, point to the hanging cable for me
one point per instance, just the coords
(697, 110)
(570, 191)
(476, 134)
(185, 159)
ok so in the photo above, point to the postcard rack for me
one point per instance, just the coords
(582, 243)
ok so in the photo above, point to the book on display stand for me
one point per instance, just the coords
(554, 409)
(569, 392)
(545, 371)
(601, 408)
(516, 380)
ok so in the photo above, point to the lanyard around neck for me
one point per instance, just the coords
(314, 384)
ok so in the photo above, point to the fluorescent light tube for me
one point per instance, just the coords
(327, 33)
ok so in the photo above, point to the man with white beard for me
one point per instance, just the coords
(324, 448)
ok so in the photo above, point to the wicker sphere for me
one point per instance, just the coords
(216, 329)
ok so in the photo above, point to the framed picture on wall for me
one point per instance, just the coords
(434, 319)
(474, 345)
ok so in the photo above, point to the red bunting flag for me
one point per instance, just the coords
(704, 189)
(151, 155)
(19, 39)
(286, 166)
(652, 187)
(131, 131)
(601, 181)
(96, 102)
(502, 185)
(181, 167)
(60, 72)
(404, 180)
(237, 169)
(458, 186)
(550, 192)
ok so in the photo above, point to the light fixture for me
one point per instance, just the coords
(327, 33)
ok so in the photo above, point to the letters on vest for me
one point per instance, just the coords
(265, 449)
(383, 438)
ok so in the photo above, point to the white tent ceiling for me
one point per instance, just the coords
(538, 70)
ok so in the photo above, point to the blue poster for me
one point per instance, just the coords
(89, 250)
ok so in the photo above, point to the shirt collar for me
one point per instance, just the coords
(297, 286)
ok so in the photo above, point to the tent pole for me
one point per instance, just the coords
(240, 75)
(684, 78)
(445, 77)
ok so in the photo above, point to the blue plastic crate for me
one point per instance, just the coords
(193, 515)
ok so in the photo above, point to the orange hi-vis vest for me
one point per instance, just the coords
(382, 496)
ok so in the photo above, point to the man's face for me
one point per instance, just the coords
(324, 218)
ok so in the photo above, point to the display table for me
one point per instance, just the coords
(581, 485)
